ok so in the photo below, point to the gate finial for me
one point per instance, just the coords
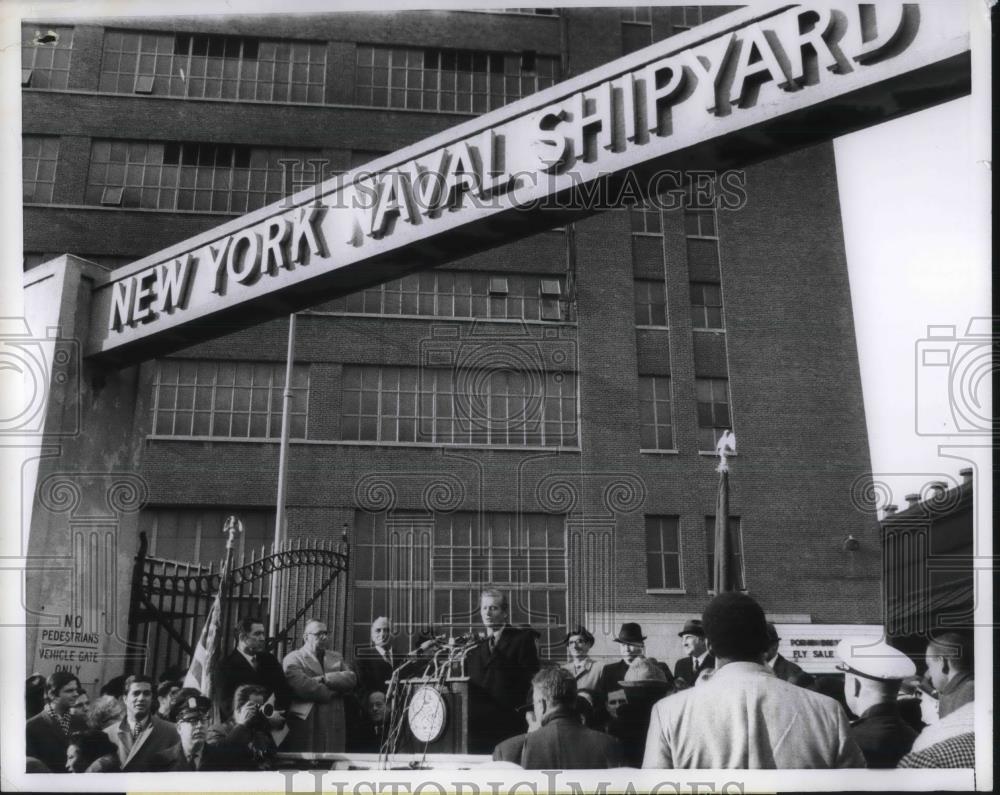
(232, 526)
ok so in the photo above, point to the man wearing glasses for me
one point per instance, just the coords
(319, 679)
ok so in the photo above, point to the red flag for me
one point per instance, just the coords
(724, 578)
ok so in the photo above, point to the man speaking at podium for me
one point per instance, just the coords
(500, 669)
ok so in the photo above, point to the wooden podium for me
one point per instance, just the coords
(455, 738)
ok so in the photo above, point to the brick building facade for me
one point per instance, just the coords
(541, 416)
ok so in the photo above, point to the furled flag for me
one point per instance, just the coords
(201, 674)
(724, 576)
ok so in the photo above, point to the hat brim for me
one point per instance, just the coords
(651, 684)
(641, 639)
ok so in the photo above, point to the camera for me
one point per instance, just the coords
(498, 384)
(267, 710)
(953, 380)
(37, 363)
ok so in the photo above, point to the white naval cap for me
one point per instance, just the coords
(874, 658)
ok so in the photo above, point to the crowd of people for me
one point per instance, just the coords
(731, 702)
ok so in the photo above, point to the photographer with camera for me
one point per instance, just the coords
(246, 736)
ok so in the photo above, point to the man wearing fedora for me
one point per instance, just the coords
(644, 684)
(584, 669)
(632, 645)
(698, 659)
(783, 668)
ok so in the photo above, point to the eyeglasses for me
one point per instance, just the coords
(194, 721)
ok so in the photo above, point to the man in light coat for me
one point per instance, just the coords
(140, 735)
(744, 717)
(319, 678)
(585, 670)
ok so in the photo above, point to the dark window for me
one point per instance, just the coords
(46, 51)
(39, 155)
(656, 426)
(713, 411)
(663, 553)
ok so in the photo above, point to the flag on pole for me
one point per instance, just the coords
(724, 577)
(201, 673)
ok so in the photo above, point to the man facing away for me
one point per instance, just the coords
(556, 738)
(744, 717)
(140, 735)
(319, 678)
(873, 673)
(500, 668)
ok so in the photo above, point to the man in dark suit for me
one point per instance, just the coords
(47, 733)
(784, 669)
(632, 645)
(376, 663)
(556, 738)
(500, 668)
(698, 659)
(140, 735)
(249, 664)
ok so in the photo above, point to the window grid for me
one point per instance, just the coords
(39, 156)
(231, 400)
(663, 553)
(646, 220)
(656, 424)
(197, 531)
(206, 66)
(685, 17)
(457, 294)
(706, 306)
(424, 572)
(712, 395)
(700, 223)
(637, 15)
(385, 404)
(49, 63)
(192, 176)
(735, 529)
(650, 302)
(448, 80)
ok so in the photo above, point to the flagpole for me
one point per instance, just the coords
(723, 575)
(279, 511)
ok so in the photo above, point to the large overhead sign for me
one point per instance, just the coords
(748, 85)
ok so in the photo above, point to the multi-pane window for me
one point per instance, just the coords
(685, 17)
(699, 223)
(712, 395)
(195, 534)
(663, 553)
(461, 294)
(205, 66)
(735, 550)
(637, 28)
(504, 408)
(39, 154)
(650, 302)
(228, 399)
(449, 80)
(45, 56)
(425, 572)
(656, 426)
(646, 220)
(706, 305)
(195, 176)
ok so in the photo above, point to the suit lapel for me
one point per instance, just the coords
(139, 741)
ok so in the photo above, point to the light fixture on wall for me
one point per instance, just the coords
(850, 543)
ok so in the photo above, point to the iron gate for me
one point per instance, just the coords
(171, 599)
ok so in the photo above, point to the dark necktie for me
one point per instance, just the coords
(255, 662)
(493, 643)
(319, 656)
